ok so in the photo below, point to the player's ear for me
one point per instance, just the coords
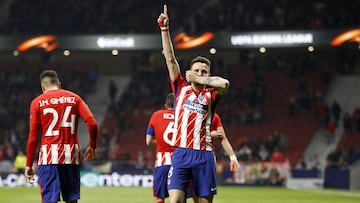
(59, 85)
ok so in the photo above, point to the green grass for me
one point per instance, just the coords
(226, 195)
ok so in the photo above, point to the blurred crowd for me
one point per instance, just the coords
(139, 16)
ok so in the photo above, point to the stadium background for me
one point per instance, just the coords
(263, 80)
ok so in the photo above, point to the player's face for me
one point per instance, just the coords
(201, 69)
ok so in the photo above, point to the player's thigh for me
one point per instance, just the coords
(180, 172)
(204, 176)
(49, 182)
(69, 175)
(160, 181)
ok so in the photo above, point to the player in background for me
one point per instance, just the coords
(195, 103)
(160, 132)
(218, 133)
(55, 113)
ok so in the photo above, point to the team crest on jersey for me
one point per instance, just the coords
(202, 99)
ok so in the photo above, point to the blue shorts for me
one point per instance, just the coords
(196, 165)
(160, 181)
(56, 179)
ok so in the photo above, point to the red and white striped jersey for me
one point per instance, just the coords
(193, 114)
(59, 154)
(216, 122)
(161, 126)
(56, 114)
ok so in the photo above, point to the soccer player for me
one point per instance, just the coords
(56, 114)
(195, 103)
(218, 133)
(160, 132)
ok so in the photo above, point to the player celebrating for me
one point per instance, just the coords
(160, 132)
(56, 114)
(194, 106)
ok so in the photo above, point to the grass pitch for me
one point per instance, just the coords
(226, 194)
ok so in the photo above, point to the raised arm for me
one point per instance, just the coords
(168, 49)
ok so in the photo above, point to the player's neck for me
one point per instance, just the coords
(51, 88)
(197, 87)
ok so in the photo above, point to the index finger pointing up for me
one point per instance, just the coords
(165, 9)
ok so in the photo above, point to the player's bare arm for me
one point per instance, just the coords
(220, 84)
(168, 49)
(216, 135)
(234, 163)
(150, 140)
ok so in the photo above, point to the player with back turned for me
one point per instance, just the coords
(55, 113)
(160, 132)
(195, 104)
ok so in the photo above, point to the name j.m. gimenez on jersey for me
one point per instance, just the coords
(60, 100)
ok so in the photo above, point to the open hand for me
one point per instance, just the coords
(190, 76)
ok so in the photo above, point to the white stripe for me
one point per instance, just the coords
(67, 153)
(185, 116)
(158, 159)
(184, 125)
(197, 128)
(44, 154)
(54, 154)
(167, 158)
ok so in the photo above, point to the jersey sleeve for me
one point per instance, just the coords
(34, 130)
(178, 83)
(90, 121)
(216, 122)
(150, 128)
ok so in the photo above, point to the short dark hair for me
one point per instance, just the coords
(51, 75)
(169, 102)
(201, 59)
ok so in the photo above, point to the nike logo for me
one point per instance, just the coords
(213, 189)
